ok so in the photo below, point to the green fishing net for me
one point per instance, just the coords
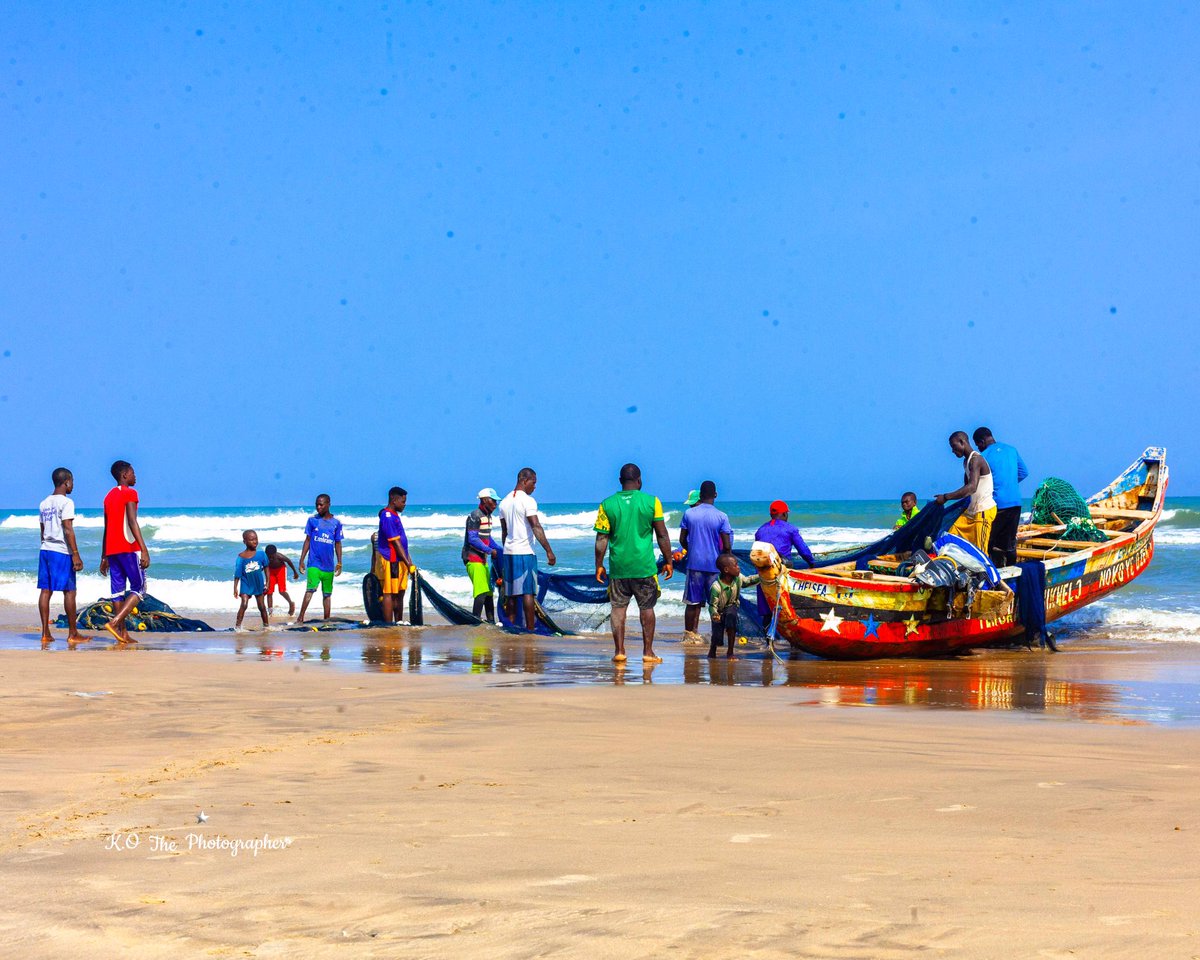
(1057, 502)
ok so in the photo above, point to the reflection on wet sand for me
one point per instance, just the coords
(987, 682)
(1099, 685)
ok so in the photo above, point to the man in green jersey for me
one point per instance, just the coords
(629, 522)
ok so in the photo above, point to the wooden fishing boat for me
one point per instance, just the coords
(843, 613)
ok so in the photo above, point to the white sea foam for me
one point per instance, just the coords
(1177, 536)
(1143, 623)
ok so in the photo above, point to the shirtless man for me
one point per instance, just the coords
(975, 523)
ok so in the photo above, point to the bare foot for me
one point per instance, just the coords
(47, 638)
(620, 658)
(78, 638)
(690, 636)
(730, 656)
(114, 633)
(651, 658)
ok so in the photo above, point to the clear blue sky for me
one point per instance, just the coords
(266, 249)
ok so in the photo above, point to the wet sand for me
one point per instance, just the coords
(482, 800)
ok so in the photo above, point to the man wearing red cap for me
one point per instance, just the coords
(783, 537)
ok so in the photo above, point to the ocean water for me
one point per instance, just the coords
(192, 555)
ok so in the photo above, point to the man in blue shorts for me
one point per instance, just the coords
(519, 527)
(59, 559)
(323, 537)
(704, 534)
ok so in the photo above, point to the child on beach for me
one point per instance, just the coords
(723, 602)
(250, 577)
(277, 578)
(59, 559)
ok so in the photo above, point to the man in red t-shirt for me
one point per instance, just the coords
(121, 542)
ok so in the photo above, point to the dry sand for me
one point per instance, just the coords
(464, 816)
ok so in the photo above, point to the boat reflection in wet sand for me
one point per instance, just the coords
(858, 610)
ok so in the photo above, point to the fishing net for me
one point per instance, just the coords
(1056, 503)
(150, 615)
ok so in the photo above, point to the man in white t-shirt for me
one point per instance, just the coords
(519, 527)
(59, 559)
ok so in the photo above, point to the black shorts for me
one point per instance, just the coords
(642, 589)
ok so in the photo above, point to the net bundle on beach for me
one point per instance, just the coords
(1057, 502)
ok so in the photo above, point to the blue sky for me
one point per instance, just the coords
(789, 246)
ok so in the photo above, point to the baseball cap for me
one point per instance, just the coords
(488, 492)
(693, 498)
(778, 506)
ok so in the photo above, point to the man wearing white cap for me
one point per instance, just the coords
(478, 549)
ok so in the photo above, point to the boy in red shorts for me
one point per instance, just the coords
(277, 578)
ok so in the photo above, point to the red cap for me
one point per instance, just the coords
(778, 506)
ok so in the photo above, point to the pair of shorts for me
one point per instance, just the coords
(392, 575)
(55, 571)
(696, 589)
(644, 590)
(277, 579)
(322, 579)
(125, 574)
(975, 528)
(520, 574)
(722, 624)
(481, 581)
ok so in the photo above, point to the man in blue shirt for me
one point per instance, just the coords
(322, 536)
(783, 537)
(1008, 470)
(704, 534)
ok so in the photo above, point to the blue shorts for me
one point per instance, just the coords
(55, 571)
(696, 589)
(125, 575)
(520, 574)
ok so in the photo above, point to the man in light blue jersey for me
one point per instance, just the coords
(1008, 470)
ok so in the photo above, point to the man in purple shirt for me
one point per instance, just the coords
(394, 564)
(783, 537)
(705, 534)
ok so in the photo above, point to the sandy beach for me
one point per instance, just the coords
(508, 815)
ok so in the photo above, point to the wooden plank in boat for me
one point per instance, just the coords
(1111, 514)
(1067, 544)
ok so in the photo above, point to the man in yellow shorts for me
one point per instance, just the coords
(975, 523)
(393, 563)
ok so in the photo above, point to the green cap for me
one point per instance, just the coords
(693, 498)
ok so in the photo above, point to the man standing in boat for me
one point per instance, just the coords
(975, 523)
(1008, 470)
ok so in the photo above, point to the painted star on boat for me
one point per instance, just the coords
(831, 621)
(871, 627)
(910, 625)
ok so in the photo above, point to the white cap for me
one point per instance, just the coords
(489, 493)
